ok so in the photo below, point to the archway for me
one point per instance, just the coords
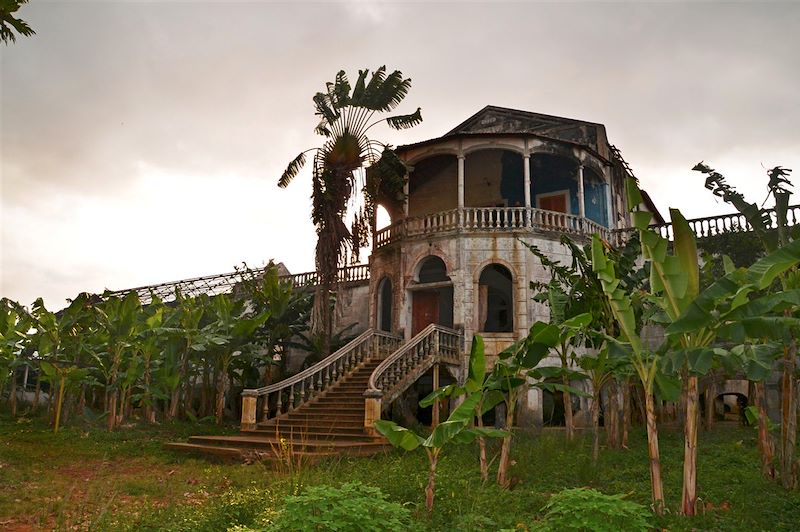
(432, 299)
(496, 299)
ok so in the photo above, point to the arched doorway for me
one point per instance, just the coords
(385, 305)
(432, 295)
(496, 299)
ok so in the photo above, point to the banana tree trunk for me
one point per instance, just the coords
(765, 445)
(433, 458)
(596, 425)
(626, 412)
(711, 396)
(146, 399)
(689, 496)
(656, 484)
(112, 410)
(12, 398)
(570, 427)
(612, 417)
(175, 397)
(482, 454)
(37, 394)
(222, 389)
(57, 418)
(788, 417)
(505, 450)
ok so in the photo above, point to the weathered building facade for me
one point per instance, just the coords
(453, 254)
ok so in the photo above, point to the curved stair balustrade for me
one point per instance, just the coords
(280, 398)
(435, 344)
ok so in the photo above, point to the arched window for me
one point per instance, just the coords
(385, 305)
(432, 270)
(496, 299)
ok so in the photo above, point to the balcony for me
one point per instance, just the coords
(489, 219)
(530, 220)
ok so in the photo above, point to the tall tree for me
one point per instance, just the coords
(9, 22)
(346, 116)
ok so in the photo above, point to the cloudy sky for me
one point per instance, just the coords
(141, 141)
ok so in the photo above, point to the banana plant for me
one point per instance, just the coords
(476, 382)
(574, 289)
(512, 375)
(149, 345)
(645, 363)
(600, 369)
(117, 321)
(761, 222)
(62, 377)
(13, 335)
(232, 328)
(456, 430)
(58, 336)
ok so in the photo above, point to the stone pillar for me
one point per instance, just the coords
(581, 202)
(460, 181)
(405, 193)
(526, 166)
(372, 411)
(249, 401)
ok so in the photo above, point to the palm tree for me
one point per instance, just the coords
(346, 116)
(8, 21)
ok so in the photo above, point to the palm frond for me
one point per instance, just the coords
(358, 91)
(322, 129)
(292, 170)
(405, 121)
(373, 88)
(393, 90)
(339, 91)
(324, 108)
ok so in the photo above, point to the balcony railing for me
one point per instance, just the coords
(715, 225)
(474, 219)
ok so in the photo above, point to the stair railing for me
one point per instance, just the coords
(435, 344)
(260, 404)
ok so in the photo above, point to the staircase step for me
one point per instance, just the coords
(271, 443)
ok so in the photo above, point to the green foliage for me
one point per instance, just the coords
(353, 506)
(346, 116)
(582, 509)
(9, 22)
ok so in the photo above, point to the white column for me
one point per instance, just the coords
(460, 181)
(527, 169)
(610, 204)
(581, 203)
(526, 165)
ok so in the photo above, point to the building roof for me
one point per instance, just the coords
(502, 121)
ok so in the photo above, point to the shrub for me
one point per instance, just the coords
(354, 506)
(587, 509)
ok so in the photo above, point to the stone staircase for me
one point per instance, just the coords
(332, 423)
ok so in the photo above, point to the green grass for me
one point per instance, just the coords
(87, 478)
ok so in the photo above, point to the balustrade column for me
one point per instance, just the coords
(526, 166)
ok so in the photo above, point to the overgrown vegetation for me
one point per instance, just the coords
(85, 477)
(112, 357)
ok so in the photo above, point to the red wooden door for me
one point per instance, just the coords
(424, 310)
(557, 203)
